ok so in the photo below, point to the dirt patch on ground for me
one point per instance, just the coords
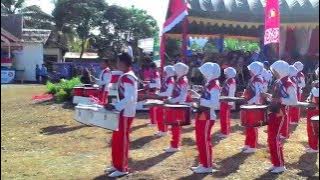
(44, 142)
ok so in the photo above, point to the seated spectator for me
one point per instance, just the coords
(38, 73)
(44, 74)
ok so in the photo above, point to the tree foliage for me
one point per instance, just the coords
(119, 25)
(233, 44)
(33, 16)
(81, 24)
(80, 15)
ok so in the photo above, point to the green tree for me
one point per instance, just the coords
(33, 16)
(81, 16)
(195, 47)
(173, 48)
(119, 24)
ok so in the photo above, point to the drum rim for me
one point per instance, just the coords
(254, 106)
(177, 105)
(312, 118)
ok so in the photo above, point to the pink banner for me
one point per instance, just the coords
(272, 22)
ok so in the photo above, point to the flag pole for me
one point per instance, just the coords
(185, 39)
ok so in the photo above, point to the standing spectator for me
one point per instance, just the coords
(93, 71)
(38, 73)
(195, 64)
(129, 49)
(44, 73)
(136, 68)
(65, 72)
(178, 59)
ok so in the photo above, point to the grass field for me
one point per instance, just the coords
(44, 142)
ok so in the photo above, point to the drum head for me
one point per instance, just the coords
(304, 104)
(315, 118)
(151, 101)
(90, 88)
(176, 106)
(253, 107)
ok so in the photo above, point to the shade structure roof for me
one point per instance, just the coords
(252, 11)
(244, 17)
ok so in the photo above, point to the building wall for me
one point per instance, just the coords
(27, 59)
(53, 51)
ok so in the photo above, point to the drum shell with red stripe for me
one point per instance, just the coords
(91, 91)
(253, 117)
(177, 116)
(78, 91)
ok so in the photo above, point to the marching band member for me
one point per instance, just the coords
(128, 86)
(294, 112)
(313, 138)
(155, 81)
(179, 96)
(253, 95)
(152, 87)
(284, 94)
(205, 120)
(165, 92)
(300, 78)
(267, 78)
(228, 89)
(103, 81)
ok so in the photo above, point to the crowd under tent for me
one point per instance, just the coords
(244, 20)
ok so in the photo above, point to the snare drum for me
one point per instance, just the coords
(105, 119)
(253, 115)
(78, 91)
(177, 115)
(82, 114)
(91, 91)
(95, 115)
(315, 125)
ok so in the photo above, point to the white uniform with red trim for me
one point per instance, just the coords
(104, 79)
(104, 84)
(294, 112)
(155, 81)
(253, 96)
(128, 87)
(267, 78)
(205, 120)
(157, 112)
(313, 135)
(284, 91)
(179, 96)
(301, 82)
(228, 89)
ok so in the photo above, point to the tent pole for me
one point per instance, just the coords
(185, 39)
(162, 51)
(9, 51)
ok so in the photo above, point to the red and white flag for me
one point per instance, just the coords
(272, 22)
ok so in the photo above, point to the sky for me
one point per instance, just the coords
(155, 8)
